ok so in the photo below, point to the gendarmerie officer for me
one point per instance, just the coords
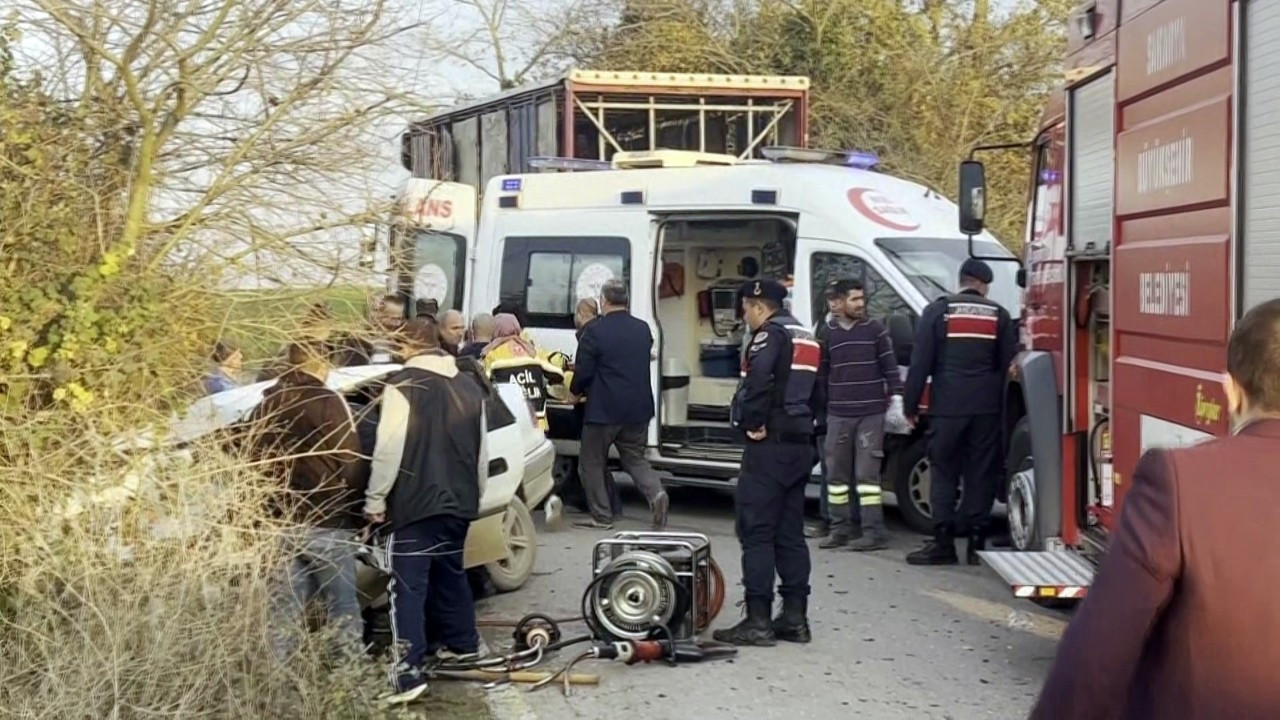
(965, 342)
(774, 407)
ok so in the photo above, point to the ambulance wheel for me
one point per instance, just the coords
(1021, 488)
(909, 472)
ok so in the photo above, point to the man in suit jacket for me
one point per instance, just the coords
(1182, 620)
(612, 371)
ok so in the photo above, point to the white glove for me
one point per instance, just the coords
(895, 420)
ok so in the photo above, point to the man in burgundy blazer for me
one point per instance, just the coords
(1183, 619)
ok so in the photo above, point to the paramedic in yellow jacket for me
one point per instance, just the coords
(512, 357)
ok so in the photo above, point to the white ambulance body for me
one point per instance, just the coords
(685, 238)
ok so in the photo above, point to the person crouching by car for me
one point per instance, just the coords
(306, 434)
(427, 478)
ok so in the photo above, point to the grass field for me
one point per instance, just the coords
(261, 322)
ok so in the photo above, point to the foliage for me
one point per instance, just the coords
(151, 152)
(918, 82)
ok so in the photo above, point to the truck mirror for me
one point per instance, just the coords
(903, 336)
(973, 197)
(1022, 278)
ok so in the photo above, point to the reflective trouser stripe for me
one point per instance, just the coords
(838, 494)
(869, 495)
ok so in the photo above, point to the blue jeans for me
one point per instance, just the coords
(321, 563)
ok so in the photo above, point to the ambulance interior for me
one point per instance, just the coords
(703, 264)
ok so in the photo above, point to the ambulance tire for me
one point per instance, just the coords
(908, 474)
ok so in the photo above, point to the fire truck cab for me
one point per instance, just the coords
(1152, 227)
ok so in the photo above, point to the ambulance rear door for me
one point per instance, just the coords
(431, 242)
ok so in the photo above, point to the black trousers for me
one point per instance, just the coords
(965, 447)
(770, 518)
(427, 576)
(593, 465)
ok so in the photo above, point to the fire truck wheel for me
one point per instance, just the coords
(908, 470)
(1020, 488)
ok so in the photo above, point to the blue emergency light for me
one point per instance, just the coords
(858, 159)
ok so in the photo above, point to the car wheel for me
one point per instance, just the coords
(912, 478)
(521, 538)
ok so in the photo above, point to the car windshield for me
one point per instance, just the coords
(933, 266)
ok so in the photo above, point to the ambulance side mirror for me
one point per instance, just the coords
(973, 197)
(903, 336)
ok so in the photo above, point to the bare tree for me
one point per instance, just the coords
(207, 138)
(509, 42)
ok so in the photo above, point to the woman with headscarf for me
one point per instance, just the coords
(512, 357)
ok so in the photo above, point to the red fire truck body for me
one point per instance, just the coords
(1153, 226)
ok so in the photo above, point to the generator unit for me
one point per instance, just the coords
(648, 585)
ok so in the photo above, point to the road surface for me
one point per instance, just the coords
(890, 641)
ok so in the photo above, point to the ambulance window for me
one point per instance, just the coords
(546, 277)
(432, 267)
(882, 299)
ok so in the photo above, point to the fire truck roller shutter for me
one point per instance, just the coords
(1260, 154)
(1092, 148)
(1043, 406)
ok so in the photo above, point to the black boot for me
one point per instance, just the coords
(977, 543)
(941, 550)
(756, 630)
(792, 625)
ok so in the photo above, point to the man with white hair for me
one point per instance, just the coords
(481, 335)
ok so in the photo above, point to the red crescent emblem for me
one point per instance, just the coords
(881, 210)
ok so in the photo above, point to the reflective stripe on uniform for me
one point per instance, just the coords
(837, 494)
(869, 495)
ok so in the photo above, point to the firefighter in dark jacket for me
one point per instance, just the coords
(306, 435)
(426, 481)
(965, 343)
(774, 406)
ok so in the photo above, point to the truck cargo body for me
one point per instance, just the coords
(590, 115)
(1152, 229)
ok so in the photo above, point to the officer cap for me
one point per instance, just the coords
(978, 270)
(765, 290)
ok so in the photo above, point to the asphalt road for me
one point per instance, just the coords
(890, 640)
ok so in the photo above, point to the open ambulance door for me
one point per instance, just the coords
(431, 241)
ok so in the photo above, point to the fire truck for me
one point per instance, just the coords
(1153, 226)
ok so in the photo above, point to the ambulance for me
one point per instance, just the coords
(685, 230)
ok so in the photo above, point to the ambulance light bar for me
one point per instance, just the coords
(566, 163)
(849, 158)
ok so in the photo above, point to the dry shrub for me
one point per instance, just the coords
(135, 584)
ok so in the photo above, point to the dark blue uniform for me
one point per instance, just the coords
(965, 342)
(775, 395)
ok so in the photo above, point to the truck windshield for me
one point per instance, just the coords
(933, 266)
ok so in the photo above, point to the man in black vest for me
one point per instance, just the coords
(425, 483)
(774, 406)
(965, 343)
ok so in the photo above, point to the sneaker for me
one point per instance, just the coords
(661, 507)
(817, 531)
(410, 687)
(554, 512)
(593, 524)
(833, 541)
(446, 655)
(868, 543)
